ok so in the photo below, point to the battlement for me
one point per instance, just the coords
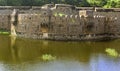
(86, 13)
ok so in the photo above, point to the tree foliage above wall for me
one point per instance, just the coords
(98, 3)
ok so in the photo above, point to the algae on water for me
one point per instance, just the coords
(112, 52)
(48, 57)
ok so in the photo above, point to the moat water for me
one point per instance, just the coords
(18, 54)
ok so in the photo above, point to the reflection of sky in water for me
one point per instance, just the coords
(2, 68)
(47, 66)
(59, 66)
(97, 63)
(103, 63)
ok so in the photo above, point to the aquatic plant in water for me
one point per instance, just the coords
(48, 57)
(112, 52)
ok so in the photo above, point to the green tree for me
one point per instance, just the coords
(27, 2)
(83, 3)
(97, 2)
(3, 2)
(14, 2)
(38, 2)
(118, 4)
(112, 3)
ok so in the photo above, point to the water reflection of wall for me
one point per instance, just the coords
(35, 49)
(17, 50)
(5, 53)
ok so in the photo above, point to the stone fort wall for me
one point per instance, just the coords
(61, 22)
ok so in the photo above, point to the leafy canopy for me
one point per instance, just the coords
(84, 3)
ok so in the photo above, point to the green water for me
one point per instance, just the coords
(18, 54)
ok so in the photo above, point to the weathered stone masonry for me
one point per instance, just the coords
(60, 22)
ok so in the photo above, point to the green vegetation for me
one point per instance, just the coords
(105, 3)
(48, 57)
(4, 33)
(59, 14)
(112, 3)
(100, 3)
(112, 52)
(73, 21)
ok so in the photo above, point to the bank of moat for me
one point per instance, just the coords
(60, 22)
